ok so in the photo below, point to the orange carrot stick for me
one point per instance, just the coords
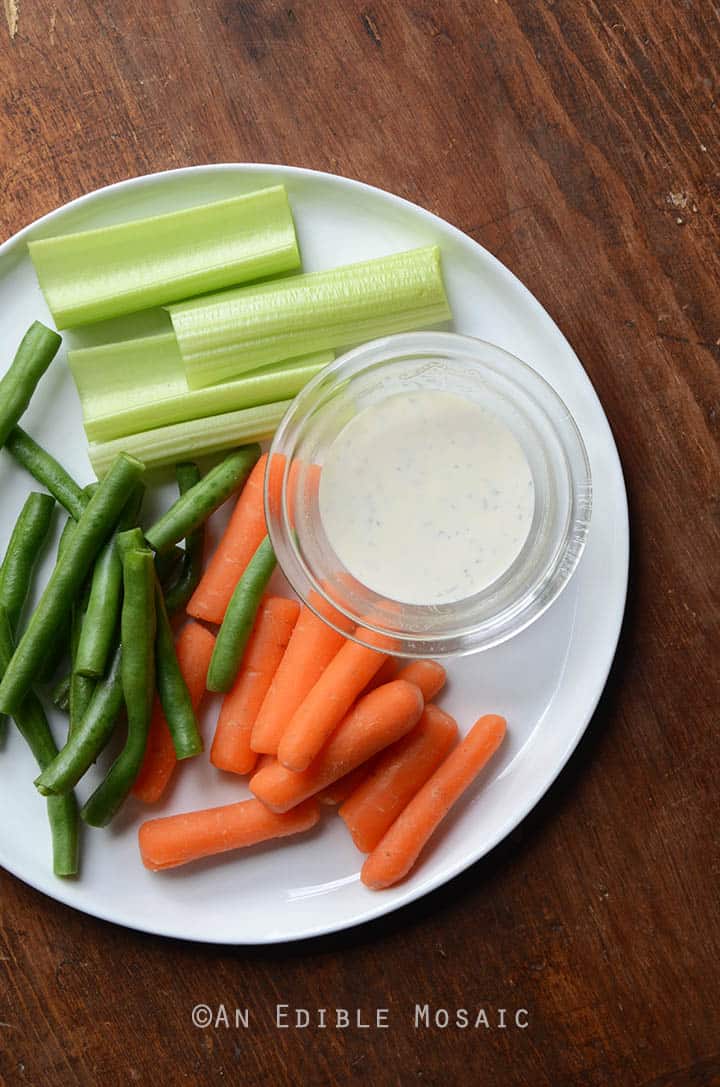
(386, 673)
(178, 839)
(377, 720)
(159, 759)
(398, 774)
(344, 787)
(400, 847)
(194, 647)
(245, 532)
(303, 484)
(428, 675)
(275, 469)
(324, 707)
(271, 633)
(303, 487)
(312, 646)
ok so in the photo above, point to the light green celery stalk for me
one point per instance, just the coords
(197, 438)
(114, 270)
(140, 384)
(224, 335)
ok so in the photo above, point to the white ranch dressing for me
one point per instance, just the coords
(426, 497)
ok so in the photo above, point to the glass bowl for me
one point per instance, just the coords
(503, 385)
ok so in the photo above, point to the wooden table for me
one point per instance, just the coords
(578, 141)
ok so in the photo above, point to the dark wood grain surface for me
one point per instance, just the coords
(578, 141)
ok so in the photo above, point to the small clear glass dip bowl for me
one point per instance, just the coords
(502, 385)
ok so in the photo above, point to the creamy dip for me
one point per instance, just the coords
(426, 497)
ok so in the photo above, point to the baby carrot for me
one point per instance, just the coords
(324, 707)
(345, 786)
(312, 646)
(194, 647)
(303, 484)
(398, 774)
(386, 673)
(428, 675)
(376, 721)
(159, 760)
(273, 626)
(178, 839)
(241, 539)
(400, 847)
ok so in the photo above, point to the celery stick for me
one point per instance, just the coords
(197, 438)
(140, 384)
(224, 335)
(114, 270)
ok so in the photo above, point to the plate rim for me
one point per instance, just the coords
(417, 890)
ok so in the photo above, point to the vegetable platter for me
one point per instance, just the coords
(545, 683)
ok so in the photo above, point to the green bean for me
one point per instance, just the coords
(99, 625)
(239, 618)
(81, 687)
(66, 537)
(28, 536)
(81, 692)
(168, 565)
(90, 736)
(46, 470)
(187, 475)
(22, 553)
(33, 725)
(65, 831)
(61, 643)
(37, 349)
(65, 582)
(179, 592)
(61, 694)
(132, 539)
(195, 506)
(100, 620)
(172, 688)
(138, 626)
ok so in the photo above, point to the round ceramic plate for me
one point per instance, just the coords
(547, 681)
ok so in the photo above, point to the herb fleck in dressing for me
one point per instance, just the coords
(426, 497)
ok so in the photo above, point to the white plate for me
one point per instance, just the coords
(547, 681)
